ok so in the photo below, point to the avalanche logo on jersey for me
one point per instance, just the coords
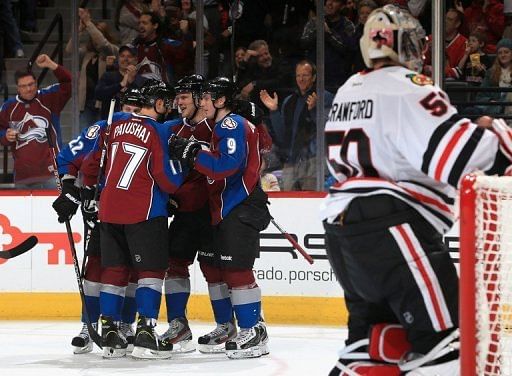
(419, 79)
(229, 123)
(92, 132)
(31, 127)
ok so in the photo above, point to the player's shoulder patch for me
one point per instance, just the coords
(419, 79)
(229, 123)
(93, 132)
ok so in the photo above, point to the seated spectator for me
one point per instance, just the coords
(100, 44)
(340, 43)
(295, 128)
(26, 119)
(259, 71)
(498, 75)
(475, 62)
(114, 83)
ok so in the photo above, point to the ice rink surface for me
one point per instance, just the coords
(42, 348)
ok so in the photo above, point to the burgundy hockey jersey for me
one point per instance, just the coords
(192, 195)
(32, 158)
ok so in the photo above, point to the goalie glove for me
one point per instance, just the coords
(183, 150)
(68, 201)
(89, 205)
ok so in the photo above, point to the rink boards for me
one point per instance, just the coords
(42, 284)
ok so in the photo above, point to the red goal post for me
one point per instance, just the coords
(486, 275)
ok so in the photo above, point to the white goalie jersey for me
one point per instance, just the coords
(392, 131)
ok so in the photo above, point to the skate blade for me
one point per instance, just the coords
(253, 352)
(83, 350)
(183, 347)
(145, 353)
(212, 349)
(110, 352)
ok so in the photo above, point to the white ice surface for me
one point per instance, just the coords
(40, 348)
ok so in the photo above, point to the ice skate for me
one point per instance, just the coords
(83, 343)
(247, 344)
(180, 335)
(112, 340)
(148, 344)
(214, 342)
(129, 334)
(264, 337)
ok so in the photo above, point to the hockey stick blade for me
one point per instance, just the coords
(20, 249)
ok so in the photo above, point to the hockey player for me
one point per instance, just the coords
(191, 230)
(239, 212)
(398, 150)
(133, 217)
(69, 162)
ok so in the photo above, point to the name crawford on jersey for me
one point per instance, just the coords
(348, 111)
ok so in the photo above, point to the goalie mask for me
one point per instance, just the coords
(393, 33)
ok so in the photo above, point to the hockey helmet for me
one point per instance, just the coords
(190, 84)
(391, 32)
(220, 87)
(152, 90)
(132, 98)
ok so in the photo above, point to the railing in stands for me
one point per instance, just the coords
(57, 51)
(467, 102)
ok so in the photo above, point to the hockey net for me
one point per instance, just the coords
(486, 275)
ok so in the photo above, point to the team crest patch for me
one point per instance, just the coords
(229, 123)
(92, 132)
(420, 79)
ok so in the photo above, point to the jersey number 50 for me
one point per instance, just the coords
(338, 144)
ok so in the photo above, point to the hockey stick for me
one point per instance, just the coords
(293, 241)
(20, 249)
(92, 332)
(98, 180)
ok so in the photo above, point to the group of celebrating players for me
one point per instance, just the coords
(203, 171)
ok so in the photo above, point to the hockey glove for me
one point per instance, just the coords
(172, 206)
(89, 205)
(68, 201)
(183, 150)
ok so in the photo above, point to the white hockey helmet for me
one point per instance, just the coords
(391, 32)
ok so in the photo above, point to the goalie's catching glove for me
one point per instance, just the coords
(68, 201)
(89, 205)
(183, 150)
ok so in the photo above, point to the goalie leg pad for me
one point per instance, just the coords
(388, 343)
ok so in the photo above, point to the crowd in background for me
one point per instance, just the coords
(274, 62)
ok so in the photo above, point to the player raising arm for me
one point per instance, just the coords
(399, 150)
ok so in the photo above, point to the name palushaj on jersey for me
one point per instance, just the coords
(134, 128)
(354, 110)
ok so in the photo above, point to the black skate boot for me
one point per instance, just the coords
(112, 340)
(180, 335)
(214, 342)
(83, 343)
(245, 345)
(148, 344)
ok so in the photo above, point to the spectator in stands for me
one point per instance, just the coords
(10, 30)
(28, 15)
(498, 75)
(340, 43)
(127, 17)
(268, 180)
(475, 62)
(486, 16)
(259, 72)
(114, 83)
(455, 44)
(162, 58)
(100, 44)
(26, 119)
(364, 9)
(295, 128)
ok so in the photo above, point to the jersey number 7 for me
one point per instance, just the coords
(338, 145)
